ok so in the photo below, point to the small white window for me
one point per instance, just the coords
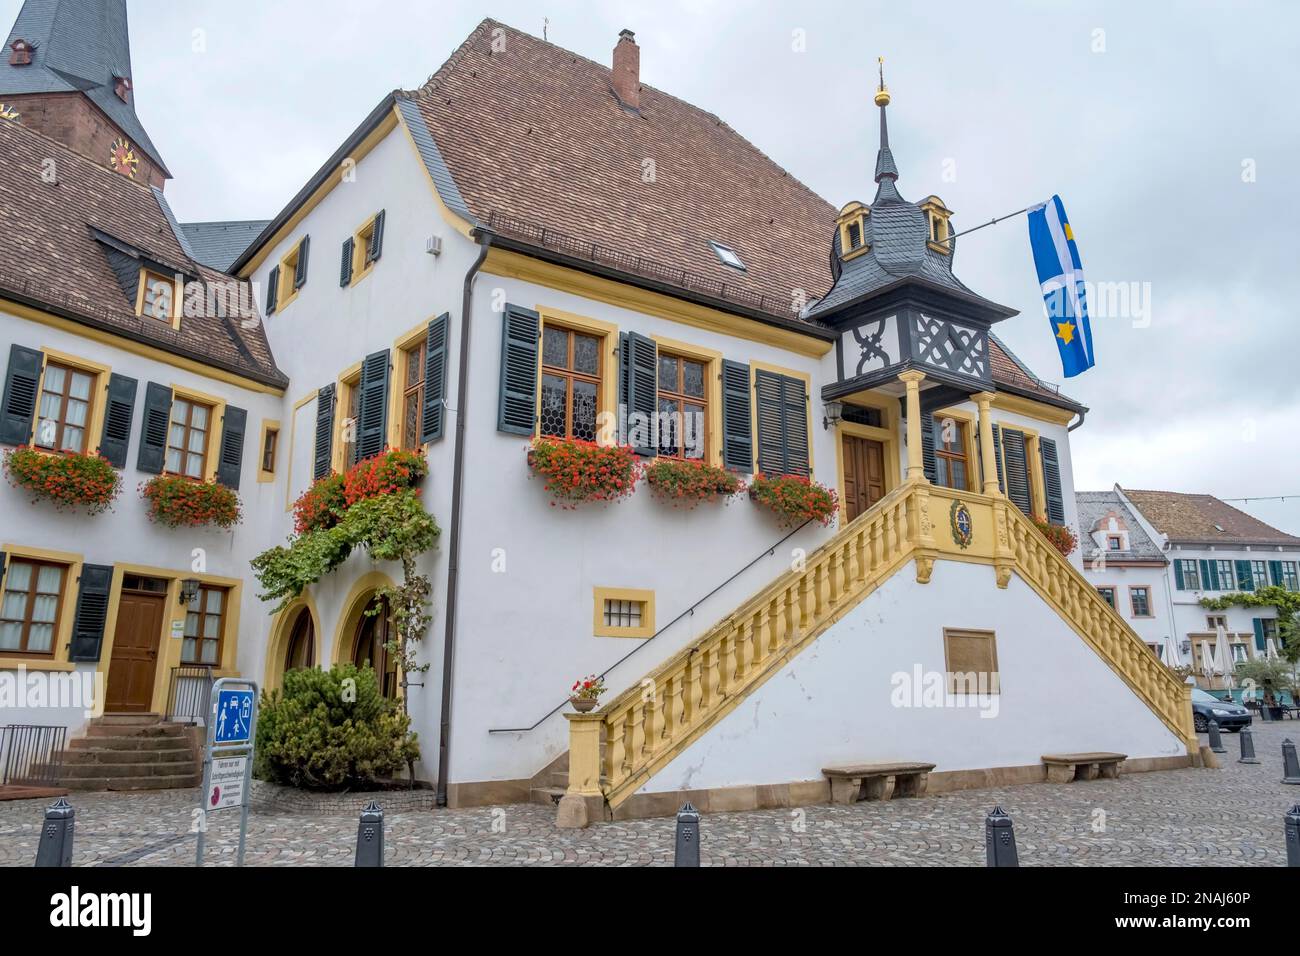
(727, 255)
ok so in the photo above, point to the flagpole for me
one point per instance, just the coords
(991, 222)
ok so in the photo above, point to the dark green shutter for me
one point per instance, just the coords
(1275, 572)
(1207, 567)
(231, 456)
(153, 428)
(737, 435)
(929, 463)
(92, 612)
(2, 566)
(1013, 444)
(345, 262)
(18, 407)
(433, 413)
(639, 388)
(1052, 481)
(517, 400)
(118, 412)
(782, 413)
(794, 405)
(300, 273)
(1245, 580)
(272, 290)
(1261, 644)
(375, 248)
(323, 455)
(997, 458)
(372, 430)
(1178, 576)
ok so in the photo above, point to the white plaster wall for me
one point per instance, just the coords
(832, 703)
(125, 534)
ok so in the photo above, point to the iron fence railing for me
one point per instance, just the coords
(188, 693)
(31, 755)
(549, 238)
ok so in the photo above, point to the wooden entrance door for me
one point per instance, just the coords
(135, 652)
(864, 474)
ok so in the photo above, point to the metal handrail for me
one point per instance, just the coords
(31, 755)
(690, 611)
(187, 702)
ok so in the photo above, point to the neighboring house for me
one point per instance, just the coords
(615, 251)
(1213, 550)
(1127, 567)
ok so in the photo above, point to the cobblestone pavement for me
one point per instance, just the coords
(1231, 816)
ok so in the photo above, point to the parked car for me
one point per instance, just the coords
(1207, 707)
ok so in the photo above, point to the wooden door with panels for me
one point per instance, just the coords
(864, 474)
(133, 665)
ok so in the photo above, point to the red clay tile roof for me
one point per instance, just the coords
(535, 134)
(49, 258)
(1184, 517)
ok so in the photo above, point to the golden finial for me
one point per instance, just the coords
(882, 94)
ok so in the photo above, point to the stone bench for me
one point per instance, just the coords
(1062, 768)
(877, 781)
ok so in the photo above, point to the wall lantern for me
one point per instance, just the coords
(832, 413)
(189, 589)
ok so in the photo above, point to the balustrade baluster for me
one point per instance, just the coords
(615, 748)
(636, 746)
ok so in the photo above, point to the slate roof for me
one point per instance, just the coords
(51, 259)
(1093, 506)
(218, 244)
(1197, 519)
(80, 45)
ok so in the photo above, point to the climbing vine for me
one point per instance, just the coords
(1288, 612)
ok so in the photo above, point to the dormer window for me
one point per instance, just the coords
(727, 255)
(853, 230)
(1114, 543)
(158, 298)
(20, 53)
(937, 216)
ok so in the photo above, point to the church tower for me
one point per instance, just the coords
(66, 72)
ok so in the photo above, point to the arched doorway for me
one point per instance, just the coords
(374, 630)
(300, 650)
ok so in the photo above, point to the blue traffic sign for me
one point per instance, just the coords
(233, 717)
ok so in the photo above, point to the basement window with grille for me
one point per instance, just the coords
(727, 256)
(623, 612)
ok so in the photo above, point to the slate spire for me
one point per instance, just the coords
(886, 171)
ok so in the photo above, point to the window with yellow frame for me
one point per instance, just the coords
(70, 407)
(365, 248)
(37, 593)
(292, 274)
(159, 297)
(853, 230)
(937, 216)
(623, 612)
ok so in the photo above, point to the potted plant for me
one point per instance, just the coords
(585, 693)
(68, 479)
(794, 498)
(582, 471)
(689, 482)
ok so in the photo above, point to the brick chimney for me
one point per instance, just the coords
(627, 70)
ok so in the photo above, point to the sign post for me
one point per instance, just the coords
(228, 757)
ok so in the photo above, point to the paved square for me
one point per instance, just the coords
(1231, 816)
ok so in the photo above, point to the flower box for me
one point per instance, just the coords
(1061, 537)
(582, 471)
(795, 499)
(67, 479)
(687, 483)
(322, 505)
(176, 502)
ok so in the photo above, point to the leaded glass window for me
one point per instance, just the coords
(571, 376)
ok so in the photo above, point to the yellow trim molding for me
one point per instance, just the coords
(643, 597)
(514, 265)
(293, 434)
(281, 627)
(58, 660)
(269, 425)
(135, 348)
(1031, 409)
(285, 293)
(354, 605)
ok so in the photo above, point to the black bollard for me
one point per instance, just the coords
(1216, 741)
(1290, 766)
(1247, 747)
(55, 848)
(1292, 820)
(687, 851)
(1000, 839)
(370, 836)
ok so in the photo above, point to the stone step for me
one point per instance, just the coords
(116, 770)
(125, 743)
(135, 730)
(546, 796)
(101, 756)
(126, 720)
(170, 782)
(559, 778)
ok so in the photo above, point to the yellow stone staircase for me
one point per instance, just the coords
(614, 751)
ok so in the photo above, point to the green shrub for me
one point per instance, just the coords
(332, 730)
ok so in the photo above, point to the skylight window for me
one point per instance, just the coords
(727, 255)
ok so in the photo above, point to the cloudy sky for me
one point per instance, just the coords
(1170, 131)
